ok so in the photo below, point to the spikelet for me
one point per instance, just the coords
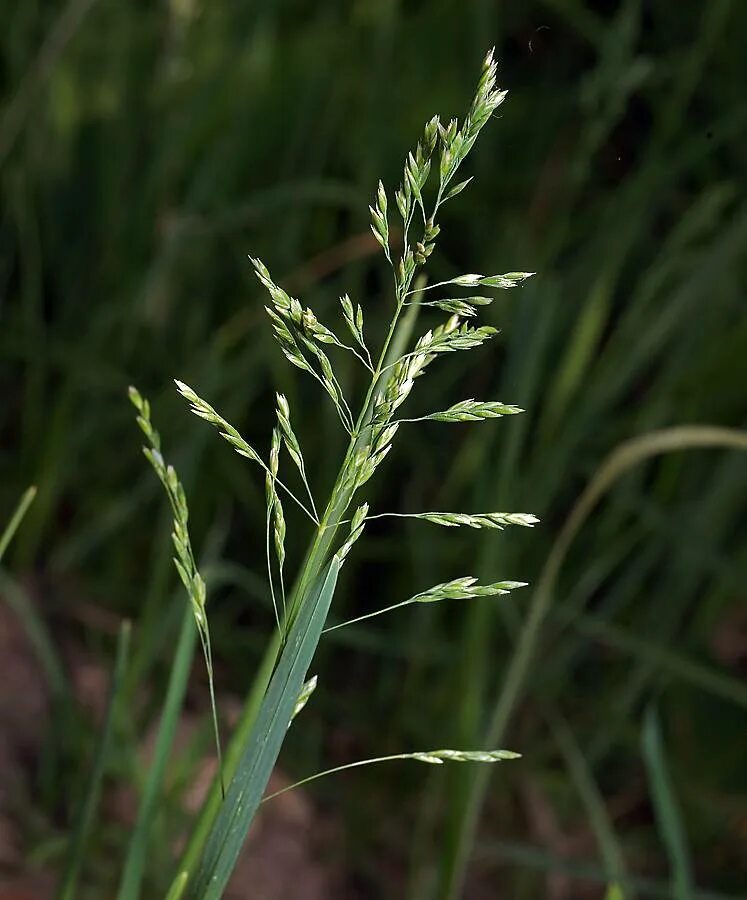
(205, 411)
(497, 520)
(465, 588)
(474, 411)
(305, 695)
(438, 757)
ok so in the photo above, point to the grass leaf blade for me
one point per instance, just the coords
(85, 820)
(20, 511)
(177, 886)
(129, 888)
(665, 805)
(255, 767)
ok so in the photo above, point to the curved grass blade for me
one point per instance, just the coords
(261, 751)
(85, 820)
(626, 456)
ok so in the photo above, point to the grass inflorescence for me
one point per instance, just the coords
(301, 612)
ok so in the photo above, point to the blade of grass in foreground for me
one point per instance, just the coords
(239, 738)
(177, 888)
(129, 888)
(261, 751)
(665, 806)
(84, 825)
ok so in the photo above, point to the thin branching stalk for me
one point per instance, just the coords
(432, 757)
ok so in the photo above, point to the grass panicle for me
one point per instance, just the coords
(300, 619)
(618, 173)
(184, 561)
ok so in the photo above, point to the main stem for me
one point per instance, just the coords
(312, 566)
(340, 499)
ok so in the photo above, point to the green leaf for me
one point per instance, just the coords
(129, 888)
(666, 808)
(16, 519)
(263, 746)
(177, 887)
(87, 812)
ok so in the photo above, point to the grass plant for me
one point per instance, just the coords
(188, 133)
(301, 336)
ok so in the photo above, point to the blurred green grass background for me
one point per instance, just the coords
(145, 150)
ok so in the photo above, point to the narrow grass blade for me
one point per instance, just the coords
(528, 857)
(177, 887)
(239, 738)
(677, 665)
(260, 754)
(665, 805)
(15, 520)
(129, 888)
(596, 811)
(17, 110)
(37, 633)
(86, 816)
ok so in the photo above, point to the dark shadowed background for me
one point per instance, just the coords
(145, 149)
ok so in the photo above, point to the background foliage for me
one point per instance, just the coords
(145, 150)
